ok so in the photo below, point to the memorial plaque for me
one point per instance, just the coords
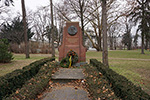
(72, 30)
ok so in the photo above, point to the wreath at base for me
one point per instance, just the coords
(65, 61)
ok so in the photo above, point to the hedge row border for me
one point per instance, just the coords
(122, 87)
(36, 85)
(98, 85)
(11, 81)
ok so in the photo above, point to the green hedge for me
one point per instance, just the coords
(35, 85)
(122, 87)
(11, 81)
(98, 85)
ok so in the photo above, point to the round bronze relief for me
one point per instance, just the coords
(72, 30)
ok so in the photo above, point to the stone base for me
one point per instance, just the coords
(68, 73)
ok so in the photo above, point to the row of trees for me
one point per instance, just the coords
(141, 15)
(14, 32)
(138, 16)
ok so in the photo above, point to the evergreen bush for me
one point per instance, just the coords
(5, 55)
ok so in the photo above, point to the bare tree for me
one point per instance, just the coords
(25, 29)
(5, 13)
(75, 10)
(104, 32)
(52, 28)
(7, 2)
(92, 19)
(40, 20)
(127, 38)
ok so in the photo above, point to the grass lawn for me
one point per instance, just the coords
(20, 61)
(131, 64)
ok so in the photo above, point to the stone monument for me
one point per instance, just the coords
(72, 40)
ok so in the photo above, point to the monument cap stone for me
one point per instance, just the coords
(72, 40)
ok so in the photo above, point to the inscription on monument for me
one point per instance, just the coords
(75, 40)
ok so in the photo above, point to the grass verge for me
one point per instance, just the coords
(19, 62)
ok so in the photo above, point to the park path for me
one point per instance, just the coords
(138, 59)
(66, 84)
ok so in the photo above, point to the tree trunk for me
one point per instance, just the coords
(100, 37)
(104, 32)
(115, 43)
(149, 44)
(129, 45)
(49, 40)
(52, 28)
(142, 44)
(82, 21)
(146, 45)
(111, 39)
(111, 43)
(25, 29)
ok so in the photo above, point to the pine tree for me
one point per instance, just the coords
(5, 55)
(141, 15)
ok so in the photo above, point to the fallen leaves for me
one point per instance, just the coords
(17, 92)
(99, 99)
(99, 91)
(112, 93)
(104, 91)
(45, 65)
(39, 96)
(100, 74)
(97, 85)
(91, 76)
(76, 87)
(30, 84)
(99, 82)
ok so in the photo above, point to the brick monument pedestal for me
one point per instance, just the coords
(72, 40)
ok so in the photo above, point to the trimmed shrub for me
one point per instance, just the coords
(122, 87)
(11, 81)
(5, 55)
(35, 85)
(98, 85)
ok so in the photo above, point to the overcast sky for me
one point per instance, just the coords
(30, 4)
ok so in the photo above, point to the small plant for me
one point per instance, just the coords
(5, 55)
